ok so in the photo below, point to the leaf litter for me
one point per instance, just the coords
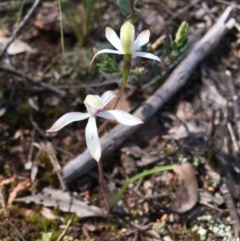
(65, 201)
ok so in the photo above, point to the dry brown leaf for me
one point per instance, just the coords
(47, 213)
(150, 132)
(187, 193)
(16, 47)
(7, 181)
(48, 19)
(187, 129)
(65, 201)
(27, 212)
(21, 187)
(185, 111)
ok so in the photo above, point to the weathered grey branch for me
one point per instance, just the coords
(113, 139)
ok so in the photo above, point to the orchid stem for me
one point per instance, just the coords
(102, 184)
(126, 71)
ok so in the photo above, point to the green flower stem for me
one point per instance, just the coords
(126, 72)
(138, 176)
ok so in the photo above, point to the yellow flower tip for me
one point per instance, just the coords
(127, 35)
(94, 101)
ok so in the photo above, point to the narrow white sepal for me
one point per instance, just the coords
(92, 139)
(67, 119)
(121, 116)
(105, 51)
(146, 55)
(107, 97)
(141, 40)
(112, 37)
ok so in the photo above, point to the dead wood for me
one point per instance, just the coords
(113, 139)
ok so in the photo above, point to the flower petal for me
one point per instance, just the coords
(120, 116)
(142, 39)
(107, 97)
(94, 101)
(105, 51)
(67, 119)
(92, 139)
(146, 55)
(127, 34)
(112, 37)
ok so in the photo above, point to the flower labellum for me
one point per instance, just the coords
(95, 107)
(126, 44)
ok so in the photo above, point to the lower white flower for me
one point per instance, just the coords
(95, 107)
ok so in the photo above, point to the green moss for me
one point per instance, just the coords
(13, 120)
(37, 208)
(44, 159)
(43, 223)
(55, 235)
(7, 169)
(24, 108)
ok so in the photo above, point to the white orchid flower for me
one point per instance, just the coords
(95, 107)
(126, 44)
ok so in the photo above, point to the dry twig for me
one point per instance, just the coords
(33, 81)
(232, 210)
(57, 168)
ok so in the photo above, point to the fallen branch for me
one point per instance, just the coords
(113, 139)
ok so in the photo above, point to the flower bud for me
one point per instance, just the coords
(127, 35)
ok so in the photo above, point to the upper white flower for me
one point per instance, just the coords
(126, 43)
(95, 107)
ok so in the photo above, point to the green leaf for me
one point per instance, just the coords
(138, 176)
(136, 15)
(135, 3)
(167, 49)
(174, 46)
(107, 64)
(124, 5)
(47, 236)
(182, 31)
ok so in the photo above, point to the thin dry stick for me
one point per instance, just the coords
(236, 109)
(234, 96)
(112, 140)
(57, 168)
(20, 26)
(232, 210)
(235, 147)
(233, 137)
(3, 203)
(66, 228)
(31, 80)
